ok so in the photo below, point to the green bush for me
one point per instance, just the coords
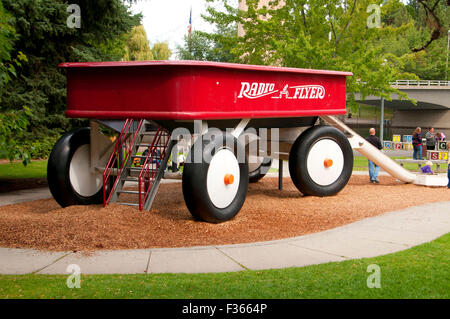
(42, 148)
(39, 145)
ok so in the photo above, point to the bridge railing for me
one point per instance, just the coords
(420, 83)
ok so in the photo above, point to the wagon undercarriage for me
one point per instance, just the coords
(218, 165)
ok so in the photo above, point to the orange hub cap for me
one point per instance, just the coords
(228, 179)
(328, 162)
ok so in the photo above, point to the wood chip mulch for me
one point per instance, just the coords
(267, 214)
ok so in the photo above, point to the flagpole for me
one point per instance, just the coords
(189, 32)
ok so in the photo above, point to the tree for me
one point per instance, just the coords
(202, 46)
(7, 35)
(317, 34)
(161, 51)
(196, 47)
(12, 123)
(427, 63)
(432, 20)
(137, 48)
(43, 35)
(428, 38)
(15, 121)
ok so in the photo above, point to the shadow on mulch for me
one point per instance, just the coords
(13, 184)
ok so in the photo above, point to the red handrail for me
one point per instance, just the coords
(150, 161)
(129, 130)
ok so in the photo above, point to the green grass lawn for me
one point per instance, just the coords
(36, 169)
(360, 163)
(419, 272)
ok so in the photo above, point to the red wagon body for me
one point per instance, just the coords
(187, 90)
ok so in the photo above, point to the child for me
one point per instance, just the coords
(440, 137)
(427, 168)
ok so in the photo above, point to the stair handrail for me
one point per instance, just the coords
(147, 163)
(128, 127)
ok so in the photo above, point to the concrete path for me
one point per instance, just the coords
(28, 195)
(370, 237)
(25, 195)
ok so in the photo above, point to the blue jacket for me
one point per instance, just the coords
(426, 169)
(417, 139)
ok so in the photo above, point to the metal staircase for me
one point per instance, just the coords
(136, 134)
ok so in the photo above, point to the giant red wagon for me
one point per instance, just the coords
(215, 112)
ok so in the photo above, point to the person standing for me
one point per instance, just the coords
(417, 143)
(431, 139)
(374, 169)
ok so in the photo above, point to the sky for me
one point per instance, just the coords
(168, 20)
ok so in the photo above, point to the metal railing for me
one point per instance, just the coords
(420, 83)
(119, 157)
(155, 156)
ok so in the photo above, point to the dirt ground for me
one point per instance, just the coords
(267, 214)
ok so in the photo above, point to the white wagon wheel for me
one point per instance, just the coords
(321, 161)
(68, 171)
(215, 185)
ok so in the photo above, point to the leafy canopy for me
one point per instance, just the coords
(319, 34)
(215, 47)
(38, 30)
(137, 47)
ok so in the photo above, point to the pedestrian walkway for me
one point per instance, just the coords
(28, 195)
(380, 235)
(24, 195)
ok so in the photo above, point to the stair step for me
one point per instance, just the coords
(130, 192)
(113, 172)
(138, 169)
(135, 179)
(127, 204)
(145, 145)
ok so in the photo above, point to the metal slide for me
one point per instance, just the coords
(372, 153)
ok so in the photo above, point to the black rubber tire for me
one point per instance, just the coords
(58, 170)
(195, 181)
(298, 161)
(261, 171)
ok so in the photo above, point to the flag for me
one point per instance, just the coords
(190, 24)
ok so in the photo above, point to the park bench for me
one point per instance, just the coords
(421, 162)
